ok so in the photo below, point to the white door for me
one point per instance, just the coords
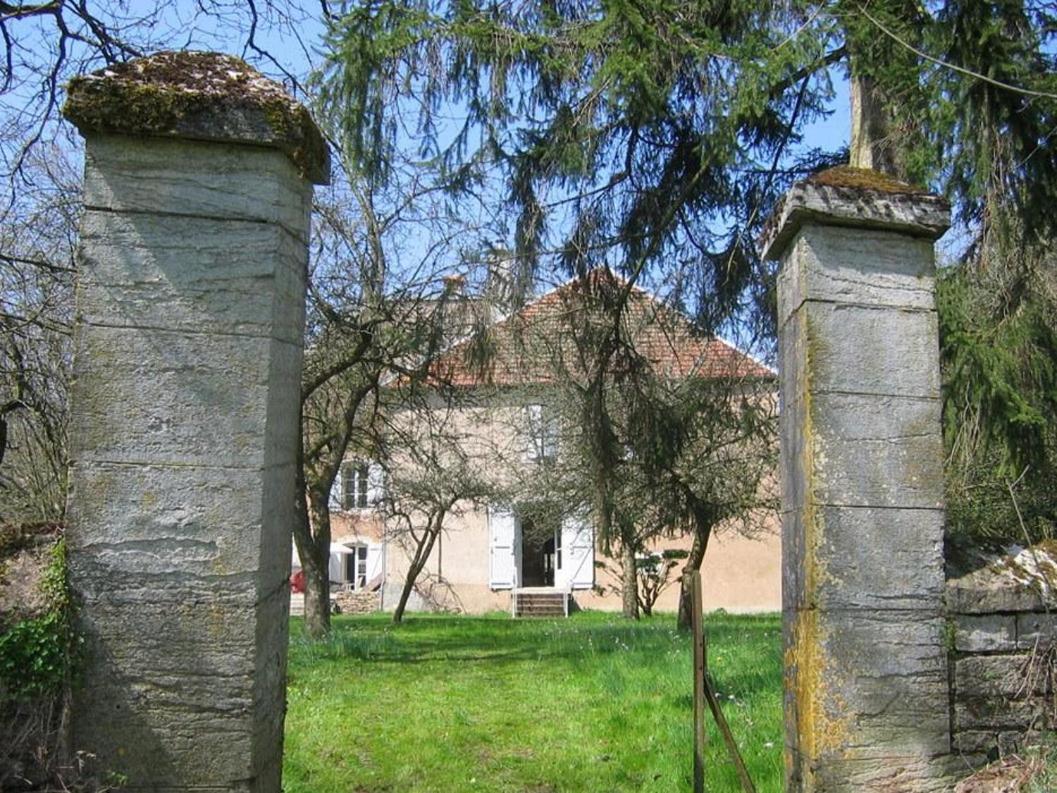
(577, 568)
(502, 541)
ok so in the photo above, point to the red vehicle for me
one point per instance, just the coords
(297, 582)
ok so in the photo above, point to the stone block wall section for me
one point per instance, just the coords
(1003, 643)
(184, 411)
(358, 602)
(866, 699)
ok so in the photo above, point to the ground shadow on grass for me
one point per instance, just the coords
(497, 639)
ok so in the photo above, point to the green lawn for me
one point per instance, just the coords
(458, 704)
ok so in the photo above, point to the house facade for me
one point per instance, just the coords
(499, 541)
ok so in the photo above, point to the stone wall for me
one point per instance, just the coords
(357, 602)
(1003, 645)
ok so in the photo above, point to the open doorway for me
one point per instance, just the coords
(540, 553)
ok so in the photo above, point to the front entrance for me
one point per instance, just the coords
(540, 553)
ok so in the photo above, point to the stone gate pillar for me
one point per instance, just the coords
(862, 485)
(190, 314)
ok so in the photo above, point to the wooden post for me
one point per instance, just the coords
(700, 736)
(728, 737)
(703, 694)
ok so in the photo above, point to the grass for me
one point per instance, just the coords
(592, 703)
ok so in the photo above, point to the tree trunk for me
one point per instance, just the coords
(630, 583)
(702, 533)
(317, 571)
(405, 594)
(418, 562)
(875, 138)
(317, 596)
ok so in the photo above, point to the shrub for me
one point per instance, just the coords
(36, 653)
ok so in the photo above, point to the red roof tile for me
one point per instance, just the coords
(547, 337)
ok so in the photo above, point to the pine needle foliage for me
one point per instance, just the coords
(655, 136)
(627, 132)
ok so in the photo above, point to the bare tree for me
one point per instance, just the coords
(379, 308)
(664, 430)
(44, 44)
(436, 471)
(36, 309)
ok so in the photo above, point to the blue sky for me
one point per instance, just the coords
(299, 47)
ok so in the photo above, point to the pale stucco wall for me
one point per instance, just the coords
(740, 574)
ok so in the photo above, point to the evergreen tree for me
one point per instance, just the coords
(639, 134)
(656, 136)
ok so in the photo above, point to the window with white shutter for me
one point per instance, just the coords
(542, 426)
(355, 485)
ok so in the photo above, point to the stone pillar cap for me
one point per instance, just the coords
(198, 96)
(856, 197)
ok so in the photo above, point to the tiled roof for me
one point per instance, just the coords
(547, 337)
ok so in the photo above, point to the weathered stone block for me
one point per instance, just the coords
(1036, 630)
(874, 557)
(970, 595)
(972, 713)
(873, 451)
(168, 520)
(160, 397)
(860, 450)
(982, 745)
(869, 349)
(167, 681)
(215, 180)
(192, 274)
(985, 633)
(1004, 676)
(974, 741)
(870, 683)
(846, 265)
(921, 773)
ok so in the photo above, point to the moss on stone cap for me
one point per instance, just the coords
(863, 179)
(198, 96)
(856, 198)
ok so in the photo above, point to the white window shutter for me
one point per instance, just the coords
(501, 548)
(374, 561)
(578, 553)
(375, 484)
(336, 567)
(336, 489)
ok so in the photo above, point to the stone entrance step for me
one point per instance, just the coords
(540, 604)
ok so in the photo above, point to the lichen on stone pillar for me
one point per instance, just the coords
(184, 412)
(866, 701)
